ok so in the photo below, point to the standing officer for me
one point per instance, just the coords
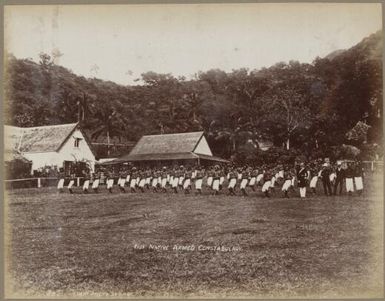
(340, 176)
(302, 179)
(325, 175)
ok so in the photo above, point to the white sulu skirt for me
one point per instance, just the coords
(95, 184)
(252, 181)
(175, 182)
(186, 183)
(359, 183)
(232, 183)
(221, 180)
(142, 182)
(133, 183)
(164, 182)
(154, 182)
(86, 184)
(313, 182)
(110, 183)
(349, 185)
(128, 179)
(286, 185)
(244, 183)
(60, 184)
(198, 183)
(216, 184)
(266, 186)
(71, 183)
(181, 181)
(209, 181)
(259, 177)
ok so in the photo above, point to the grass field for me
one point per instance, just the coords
(103, 245)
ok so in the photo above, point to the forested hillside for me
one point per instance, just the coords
(305, 108)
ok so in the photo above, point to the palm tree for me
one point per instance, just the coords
(83, 106)
(110, 123)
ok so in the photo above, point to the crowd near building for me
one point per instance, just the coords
(168, 163)
(232, 180)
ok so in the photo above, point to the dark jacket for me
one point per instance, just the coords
(302, 177)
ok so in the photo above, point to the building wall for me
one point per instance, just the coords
(42, 159)
(68, 152)
(203, 147)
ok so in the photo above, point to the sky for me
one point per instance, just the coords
(120, 42)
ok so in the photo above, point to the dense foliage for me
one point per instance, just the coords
(305, 107)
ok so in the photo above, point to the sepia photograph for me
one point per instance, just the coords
(202, 150)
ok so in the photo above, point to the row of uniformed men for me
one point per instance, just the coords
(183, 178)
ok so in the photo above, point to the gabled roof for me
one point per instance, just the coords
(180, 146)
(38, 139)
(167, 143)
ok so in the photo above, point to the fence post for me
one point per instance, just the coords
(38, 183)
(372, 165)
(78, 181)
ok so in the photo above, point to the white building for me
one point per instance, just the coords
(54, 145)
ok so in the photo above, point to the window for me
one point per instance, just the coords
(77, 142)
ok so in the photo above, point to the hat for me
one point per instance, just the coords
(325, 165)
(339, 162)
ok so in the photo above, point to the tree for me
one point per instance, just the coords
(248, 87)
(83, 105)
(109, 122)
(286, 113)
(166, 90)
